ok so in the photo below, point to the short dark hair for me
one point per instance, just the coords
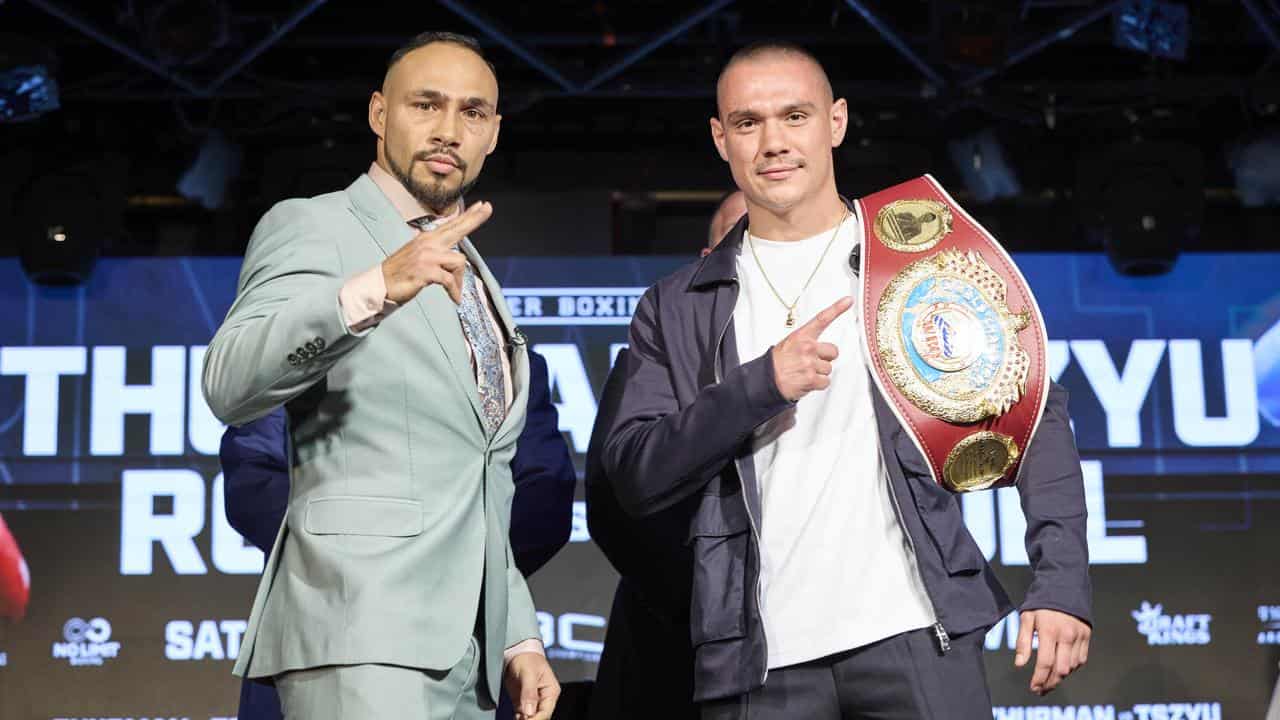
(762, 48)
(422, 40)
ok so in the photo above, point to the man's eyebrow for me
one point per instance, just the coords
(479, 102)
(745, 114)
(804, 105)
(428, 94)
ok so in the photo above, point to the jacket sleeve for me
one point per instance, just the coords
(522, 618)
(285, 329)
(658, 452)
(1052, 494)
(542, 510)
(255, 475)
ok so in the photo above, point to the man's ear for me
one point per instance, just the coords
(497, 126)
(378, 114)
(717, 137)
(839, 121)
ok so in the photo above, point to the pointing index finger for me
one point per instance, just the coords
(822, 320)
(451, 232)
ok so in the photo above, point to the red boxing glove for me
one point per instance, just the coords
(15, 579)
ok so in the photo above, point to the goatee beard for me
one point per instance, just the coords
(433, 195)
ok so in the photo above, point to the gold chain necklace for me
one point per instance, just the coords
(791, 309)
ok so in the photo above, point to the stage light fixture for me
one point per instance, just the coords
(1162, 29)
(28, 88)
(27, 92)
(985, 168)
(216, 165)
(1255, 161)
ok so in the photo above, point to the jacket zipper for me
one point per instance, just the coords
(751, 519)
(939, 632)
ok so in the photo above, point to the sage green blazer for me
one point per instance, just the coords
(400, 501)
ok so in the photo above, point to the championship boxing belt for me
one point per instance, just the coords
(955, 338)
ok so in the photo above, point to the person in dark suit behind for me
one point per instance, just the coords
(646, 668)
(256, 474)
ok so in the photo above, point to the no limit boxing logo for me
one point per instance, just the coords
(86, 642)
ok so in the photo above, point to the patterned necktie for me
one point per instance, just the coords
(483, 340)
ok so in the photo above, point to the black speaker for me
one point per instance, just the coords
(1143, 202)
(62, 221)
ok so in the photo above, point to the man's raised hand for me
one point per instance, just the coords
(429, 258)
(801, 362)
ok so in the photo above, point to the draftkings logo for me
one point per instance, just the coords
(86, 642)
(1162, 629)
(1269, 616)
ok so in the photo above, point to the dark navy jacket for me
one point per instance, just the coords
(682, 432)
(257, 491)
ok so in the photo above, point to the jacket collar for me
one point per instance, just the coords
(721, 264)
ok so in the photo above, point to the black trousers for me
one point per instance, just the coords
(903, 677)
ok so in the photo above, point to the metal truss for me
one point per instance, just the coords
(68, 16)
(1266, 18)
(1265, 26)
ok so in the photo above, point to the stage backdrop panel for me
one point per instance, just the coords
(109, 481)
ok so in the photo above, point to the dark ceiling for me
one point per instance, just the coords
(619, 92)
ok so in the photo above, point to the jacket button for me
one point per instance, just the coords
(293, 359)
(311, 349)
(319, 343)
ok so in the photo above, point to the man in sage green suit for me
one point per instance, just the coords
(391, 590)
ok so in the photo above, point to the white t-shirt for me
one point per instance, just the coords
(837, 573)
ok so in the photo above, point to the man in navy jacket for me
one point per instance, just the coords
(257, 492)
(685, 430)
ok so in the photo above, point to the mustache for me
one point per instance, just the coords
(772, 165)
(446, 152)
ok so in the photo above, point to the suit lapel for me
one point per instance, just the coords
(378, 215)
(391, 233)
